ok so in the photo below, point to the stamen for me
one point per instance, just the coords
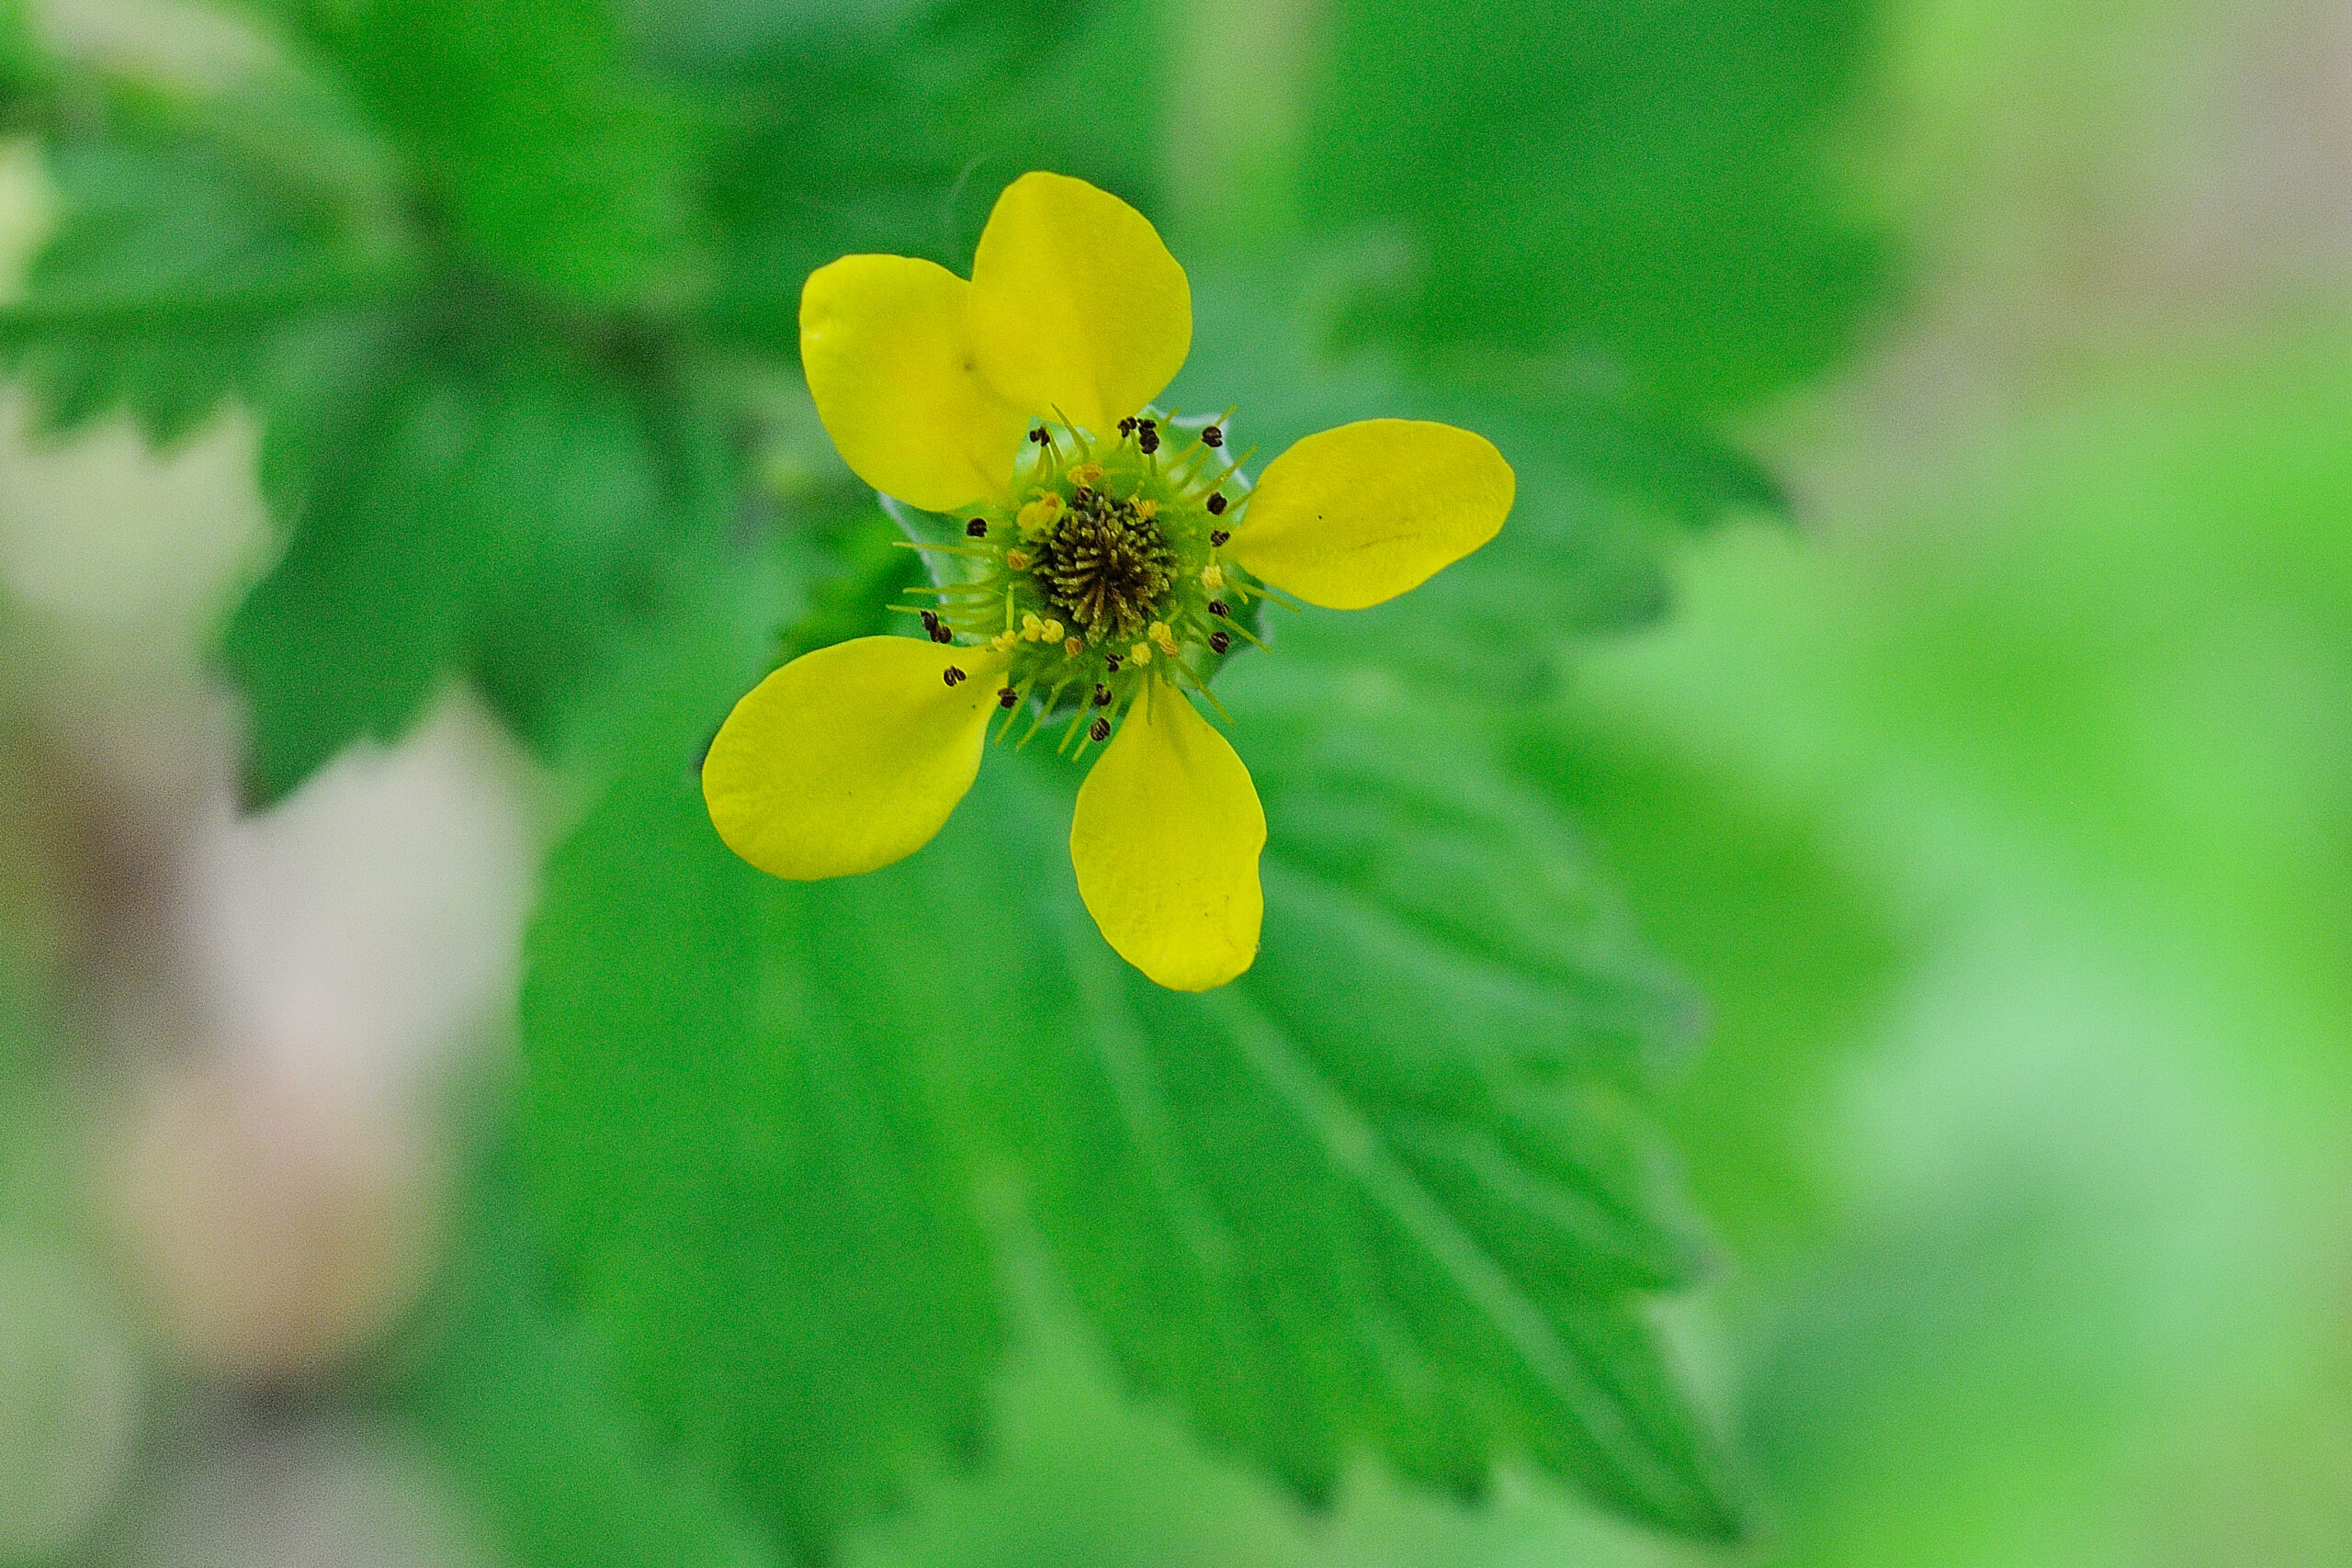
(1213, 577)
(1044, 708)
(1006, 696)
(1217, 608)
(1100, 731)
(1216, 509)
(977, 528)
(943, 633)
(952, 675)
(1217, 537)
(1213, 436)
(1102, 696)
(1245, 632)
(1220, 642)
(1072, 646)
(1141, 654)
(1018, 698)
(1111, 662)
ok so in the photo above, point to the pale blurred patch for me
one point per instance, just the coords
(69, 1400)
(321, 977)
(180, 46)
(368, 931)
(27, 207)
(132, 553)
(316, 1494)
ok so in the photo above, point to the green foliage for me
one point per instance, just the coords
(521, 1406)
(511, 290)
(1641, 182)
(556, 167)
(1387, 1191)
(20, 63)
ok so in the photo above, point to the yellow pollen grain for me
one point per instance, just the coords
(1213, 576)
(1086, 474)
(1165, 638)
(1147, 509)
(1032, 628)
(1040, 515)
(1053, 630)
(1140, 653)
(1002, 640)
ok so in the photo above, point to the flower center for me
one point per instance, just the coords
(1105, 572)
(1106, 566)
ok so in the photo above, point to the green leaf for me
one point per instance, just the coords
(895, 129)
(179, 263)
(554, 165)
(1389, 1191)
(510, 524)
(745, 1189)
(1603, 490)
(523, 1407)
(1643, 183)
(22, 70)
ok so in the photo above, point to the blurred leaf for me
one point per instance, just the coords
(178, 262)
(510, 522)
(1643, 182)
(893, 126)
(1387, 1192)
(1603, 486)
(555, 167)
(525, 1410)
(21, 67)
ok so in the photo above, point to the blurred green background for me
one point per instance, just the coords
(1845, 910)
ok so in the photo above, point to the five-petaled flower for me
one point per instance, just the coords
(1108, 558)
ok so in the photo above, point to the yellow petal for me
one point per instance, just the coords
(1359, 514)
(1166, 841)
(887, 348)
(851, 757)
(1078, 309)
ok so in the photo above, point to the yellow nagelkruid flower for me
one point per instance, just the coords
(1109, 554)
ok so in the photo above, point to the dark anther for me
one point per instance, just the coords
(951, 674)
(1147, 438)
(1216, 504)
(1039, 436)
(1216, 607)
(1126, 427)
(977, 528)
(930, 621)
(1006, 696)
(1220, 642)
(943, 632)
(1217, 537)
(1213, 436)
(1111, 662)
(1099, 730)
(1102, 696)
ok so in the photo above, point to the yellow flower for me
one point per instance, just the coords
(1023, 401)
